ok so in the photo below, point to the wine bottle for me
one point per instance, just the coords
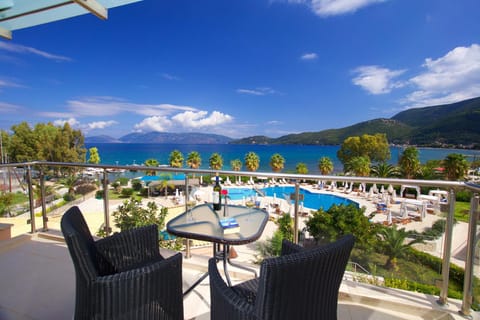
(217, 189)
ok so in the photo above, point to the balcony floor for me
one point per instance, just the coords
(38, 282)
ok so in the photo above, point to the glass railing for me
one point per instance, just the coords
(450, 265)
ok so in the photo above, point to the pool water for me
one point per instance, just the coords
(311, 200)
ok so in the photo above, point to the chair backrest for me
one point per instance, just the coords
(303, 285)
(80, 244)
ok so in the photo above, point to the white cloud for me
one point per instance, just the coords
(377, 80)
(274, 123)
(155, 123)
(4, 83)
(101, 124)
(188, 120)
(71, 121)
(257, 91)
(109, 106)
(451, 78)
(9, 108)
(309, 56)
(169, 76)
(326, 8)
(16, 48)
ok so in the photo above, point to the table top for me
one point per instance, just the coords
(204, 224)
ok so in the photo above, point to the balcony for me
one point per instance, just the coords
(38, 276)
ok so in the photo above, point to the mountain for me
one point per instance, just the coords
(163, 137)
(101, 139)
(456, 124)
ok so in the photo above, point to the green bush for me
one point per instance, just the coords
(137, 185)
(85, 188)
(463, 195)
(127, 192)
(68, 197)
(123, 181)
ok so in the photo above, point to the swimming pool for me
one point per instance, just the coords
(311, 200)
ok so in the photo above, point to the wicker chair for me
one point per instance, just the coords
(122, 276)
(300, 284)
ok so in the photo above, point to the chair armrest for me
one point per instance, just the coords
(130, 248)
(225, 303)
(290, 247)
(157, 286)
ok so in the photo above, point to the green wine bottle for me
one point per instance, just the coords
(217, 189)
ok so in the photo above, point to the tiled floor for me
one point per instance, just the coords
(37, 281)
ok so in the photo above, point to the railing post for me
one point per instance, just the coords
(188, 253)
(107, 228)
(295, 224)
(471, 242)
(33, 229)
(447, 249)
(44, 202)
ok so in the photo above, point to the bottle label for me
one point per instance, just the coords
(216, 197)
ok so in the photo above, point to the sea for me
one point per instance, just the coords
(138, 153)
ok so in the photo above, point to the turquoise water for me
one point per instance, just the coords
(311, 200)
(129, 153)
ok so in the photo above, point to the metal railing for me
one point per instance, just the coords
(452, 186)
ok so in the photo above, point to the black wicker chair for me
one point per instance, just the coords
(122, 276)
(300, 284)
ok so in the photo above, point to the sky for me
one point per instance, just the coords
(240, 67)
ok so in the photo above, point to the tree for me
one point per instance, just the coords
(392, 241)
(375, 147)
(325, 165)
(277, 162)
(194, 160)
(301, 168)
(94, 156)
(409, 163)
(359, 166)
(151, 163)
(384, 170)
(236, 164)
(216, 161)
(339, 220)
(131, 214)
(456, 166)
(176, 159)
(252, 161)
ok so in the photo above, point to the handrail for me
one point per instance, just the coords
(452, 186)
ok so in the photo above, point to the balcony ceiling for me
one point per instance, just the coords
(19, 14)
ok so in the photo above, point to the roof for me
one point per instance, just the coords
(19, 14)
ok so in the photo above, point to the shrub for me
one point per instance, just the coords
(127, 192)
(68, 197)
(463, 195)
(123, 181)
(137, 185)
(85, 188)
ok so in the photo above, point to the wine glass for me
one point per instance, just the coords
(190, 205)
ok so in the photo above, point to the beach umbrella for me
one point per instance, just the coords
(374, 187)
(360, 188)
(176, 193)
(274, 197)
(382, 189)
(389, 217)
(390, 188)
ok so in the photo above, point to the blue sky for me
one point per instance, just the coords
(241, 67)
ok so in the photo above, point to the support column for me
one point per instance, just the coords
(33, 229)
(44, 202)
(107, 228)
(447, 250)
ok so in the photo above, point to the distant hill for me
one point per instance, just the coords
(456, 124)
(101, 139)
(163, 137)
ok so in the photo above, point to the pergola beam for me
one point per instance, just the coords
(94, 7)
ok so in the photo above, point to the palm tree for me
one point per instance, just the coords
(194, 160)
(301, 168)
(176, 159)
(325, 165)
(236, 165)
(277, 162)
(360, 166)
(384, 170)
(456, 166)
(151, 163)
(409, 162)
(69, 183)
(393, 243)
(216, 161)
(252, 161)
